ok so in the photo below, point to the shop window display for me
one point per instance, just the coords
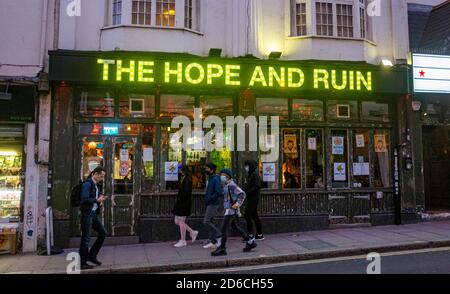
(272, 107)
(171, 158)
(218, 106)
(307, 110)
(173, 105)
(96, 104)
(382, 162)
(10, 183)
(291, 150)
(314, 169)
(339, 159)
(361, 159)
(134, 105)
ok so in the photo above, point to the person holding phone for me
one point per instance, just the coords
(91, 199)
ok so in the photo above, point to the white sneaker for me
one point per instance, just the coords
(181, 243)
(210, 245)
(194, 236)
(219, 241)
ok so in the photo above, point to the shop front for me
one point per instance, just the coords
(16, 108)
(431, 75)
(337, 131)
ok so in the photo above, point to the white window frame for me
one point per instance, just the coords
(333, 13)
(179, 22)
(120, 8)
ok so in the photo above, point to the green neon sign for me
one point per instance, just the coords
(231, 75)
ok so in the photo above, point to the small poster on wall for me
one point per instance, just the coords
(290, 144)
(269, 172)
(124, 155)
(171, 171)
(360, 140)
(380, 143)
(338, 145)
(339, 171)
(312, 143)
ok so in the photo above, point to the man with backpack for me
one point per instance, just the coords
(90, 201)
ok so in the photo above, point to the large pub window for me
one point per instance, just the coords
(361, 159)
(382, 162)
(96, 103)
(339, 159)
(314, 168)
(291, 150)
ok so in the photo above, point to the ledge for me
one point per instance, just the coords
(152, 27)
(332, 38)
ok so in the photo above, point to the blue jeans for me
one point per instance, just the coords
(87, 222)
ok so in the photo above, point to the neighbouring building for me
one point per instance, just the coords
(335, 72)
(27, 33)
(429, 30)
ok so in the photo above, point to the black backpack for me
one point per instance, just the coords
(75, 195)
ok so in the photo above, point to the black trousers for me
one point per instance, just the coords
(231, 221)
(251, 216)
(89, 221)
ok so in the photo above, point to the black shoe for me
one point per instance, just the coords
(219, 252)
(250, 236)
(250, 246)
(86, 266)
(259, 237)
(94, 260)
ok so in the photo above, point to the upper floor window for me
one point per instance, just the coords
(324, 19)
(162, 13)
(299, 18)
(117, 12)
(141, 12)
(344, 16)
(362, 18)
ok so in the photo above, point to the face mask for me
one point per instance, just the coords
(247, 168)
(223, 179)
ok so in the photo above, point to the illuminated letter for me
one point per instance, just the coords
(142, 71)
(323, 78)
(229, 75)
(291, 83)
(211, 74)
(352, 80)
(201, 75)
(344, 80)
(106, 63)
(121, 70)
(258, 77)
(367, 83)
(178, 72)
(281, 79)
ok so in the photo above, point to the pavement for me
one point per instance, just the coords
(164, 257)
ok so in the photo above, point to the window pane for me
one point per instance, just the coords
(148, 162)
(137, 105)
(11, 183)
(304, 109)
(314, 159)
(123, 166)
(272, 107)
(96, 104)
(361, 160)
(291, 159)
(269, 169)
(173, 105)
(342, 110)
(219, 106)
(339, 159)
(375, 111)
(170, 152)
(382, 162)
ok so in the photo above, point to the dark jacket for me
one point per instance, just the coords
(252, 183)
(183, 203)
(213, 190)
(88, 196)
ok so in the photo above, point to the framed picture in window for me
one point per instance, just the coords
(137, 106)
(343, 111)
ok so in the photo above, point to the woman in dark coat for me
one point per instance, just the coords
(182, 208)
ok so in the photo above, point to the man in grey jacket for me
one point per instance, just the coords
(233, 199)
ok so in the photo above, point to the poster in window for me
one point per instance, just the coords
(124, 169)
(148, 154)
(380, 143)
(312, 143)
(339, 171)
(124, 155)
(290, 144)
(360, 140)
(269, 172)
(338, 145)
(171, 171)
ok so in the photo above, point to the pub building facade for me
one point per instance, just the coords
(338, 126)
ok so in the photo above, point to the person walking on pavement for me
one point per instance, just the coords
(91, 199)
(233, 199)
(212, 195)
(182, 207)
(252, 188)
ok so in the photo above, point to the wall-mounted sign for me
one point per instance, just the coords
(431, 73)
(110, 129)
